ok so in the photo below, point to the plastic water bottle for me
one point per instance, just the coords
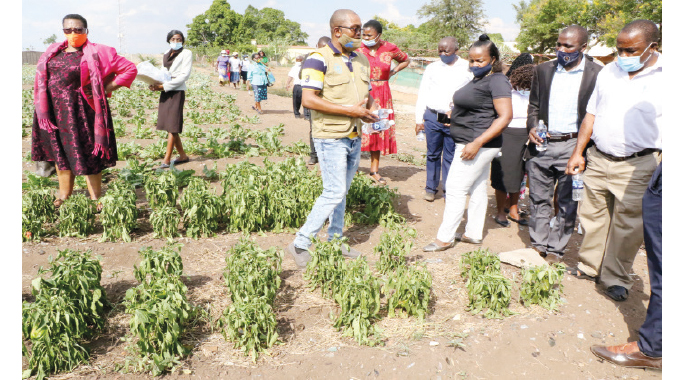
(383, 113)
(420, 136)
(378, 126)
(577, 186)
(542, 132)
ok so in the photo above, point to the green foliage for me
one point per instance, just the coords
(128, 150)
(159, 310)
(202, 210)
(136, 171)
(211, 174)
(250, 325)
(370, 204)
(119, 212)
(252, 275)
(76, 216)
(491, 291)
(34, 182)
(480, 261)
(154, 151)
(393, 247)
(359, 299)
(408, 289)
(252, 272)
(327, 268)
(221, 26)
(459, 18)
(68, 309)
(542, 286)
(166, 262)
(161, 190)
(269, 140)
(486, 286)
(299, 148)
(411, 159)
(542, 20)
(37, 208)
(165, 221)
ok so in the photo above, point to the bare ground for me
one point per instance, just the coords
(532, 344)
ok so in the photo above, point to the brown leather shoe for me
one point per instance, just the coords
(626, 355)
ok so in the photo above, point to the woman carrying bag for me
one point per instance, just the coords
(178, 62)
(259, 78)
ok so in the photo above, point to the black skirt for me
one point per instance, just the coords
(507, 171)
(171, 112)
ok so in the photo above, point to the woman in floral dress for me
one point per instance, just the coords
(72, 124)
(380, 55)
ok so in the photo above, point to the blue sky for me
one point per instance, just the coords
(145, 23)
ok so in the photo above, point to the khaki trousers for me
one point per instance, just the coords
(611, 215)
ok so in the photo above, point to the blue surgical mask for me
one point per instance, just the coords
(370, 43)
(448, 59)
(480, 72)
(524, 92)
(566, 59)
(632, 64)
(175, 45)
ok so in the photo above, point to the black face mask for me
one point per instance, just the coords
(480, 72)
(567, 59)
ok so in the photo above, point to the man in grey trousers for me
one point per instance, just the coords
(560, 91)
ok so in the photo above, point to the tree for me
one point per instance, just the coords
(217, 26)
(541, 20)
(50, 40)
(220, 26)
(462, 19)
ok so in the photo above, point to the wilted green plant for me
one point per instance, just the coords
(76, 216)
(542, 286)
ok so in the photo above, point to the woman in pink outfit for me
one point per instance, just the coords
(72, 124)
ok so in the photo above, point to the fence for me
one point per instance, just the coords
(30, 57)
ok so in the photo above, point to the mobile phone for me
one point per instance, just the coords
(442, 118)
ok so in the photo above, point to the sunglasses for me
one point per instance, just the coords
(75, 30)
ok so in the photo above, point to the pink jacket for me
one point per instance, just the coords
(113, 68)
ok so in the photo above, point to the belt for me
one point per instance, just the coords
(436, 113)
(379, 80)
(641, 153)
(563, 137)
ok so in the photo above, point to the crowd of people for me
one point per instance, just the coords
(603, 122)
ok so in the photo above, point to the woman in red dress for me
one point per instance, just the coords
(380, 55)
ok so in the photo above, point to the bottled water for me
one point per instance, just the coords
(577, 186)
(420, 136)
(383, 124)
(542, 132)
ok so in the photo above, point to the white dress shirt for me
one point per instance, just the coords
(294, 73)
(245, 65)
(520, 105)
(563, 103)
(438, 84)
(627, 111)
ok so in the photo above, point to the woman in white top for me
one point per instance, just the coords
(178, 62)
(507, 171)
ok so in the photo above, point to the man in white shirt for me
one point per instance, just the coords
(624, 121)
(244, 69)
(433, 109)
(559, 95)
(294, 78)
(235, 75)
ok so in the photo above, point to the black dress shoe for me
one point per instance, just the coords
(626, 355)
(617, 293)
(552, 258)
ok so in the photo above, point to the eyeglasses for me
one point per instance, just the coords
(75, 30)
(356, 29)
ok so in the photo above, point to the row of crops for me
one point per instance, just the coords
(71, 307)
(273, 197)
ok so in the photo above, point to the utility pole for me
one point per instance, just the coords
(121, 32)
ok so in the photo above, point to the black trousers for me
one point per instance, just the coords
(312, 154)
(297, 99)
(650, 332)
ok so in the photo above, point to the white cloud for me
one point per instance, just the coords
(391, 13)
(497, 25)
(315, 30)
(269, 4)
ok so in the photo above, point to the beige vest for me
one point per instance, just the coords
(340, 87)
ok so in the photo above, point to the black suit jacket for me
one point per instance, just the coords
(539, 98)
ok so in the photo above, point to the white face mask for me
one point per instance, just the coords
(175, 45)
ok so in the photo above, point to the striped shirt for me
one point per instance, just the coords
(563, 104)
(314, 69)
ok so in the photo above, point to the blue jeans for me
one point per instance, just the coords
(339, 161)
(438, 138)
